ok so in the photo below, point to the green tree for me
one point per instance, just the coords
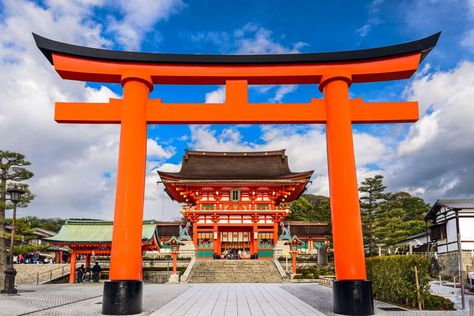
(401, 215)
(12, 172)
(310, 208)
(372, 195)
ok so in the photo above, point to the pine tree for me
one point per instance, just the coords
(372, 190)
(12, 172)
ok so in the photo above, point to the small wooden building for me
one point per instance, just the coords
(94, 238)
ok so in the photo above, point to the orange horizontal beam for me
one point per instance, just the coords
(87, 113)
(268, 113)
(313, 112)
(83, 69)
(383, 112)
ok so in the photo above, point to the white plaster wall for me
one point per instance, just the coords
(451, 230)
(466, 227)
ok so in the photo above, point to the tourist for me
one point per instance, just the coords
(80, 273)
(95, 272)
(88, 274)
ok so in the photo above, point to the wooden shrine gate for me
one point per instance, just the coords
(334, 72)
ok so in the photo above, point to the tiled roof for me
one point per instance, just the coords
(95, 231)
(235, 166)
(461, 204)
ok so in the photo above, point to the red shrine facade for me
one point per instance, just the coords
(235, 200)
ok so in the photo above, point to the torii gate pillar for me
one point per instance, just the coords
(124, 291)
(352, 291)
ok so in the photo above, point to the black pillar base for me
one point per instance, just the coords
(353, 297)
(10, 274)
(122, 297)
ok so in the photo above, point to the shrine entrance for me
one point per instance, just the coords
(235, 244)
(334, 72)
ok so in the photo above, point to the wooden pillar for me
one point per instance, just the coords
(126, 255)
(72, 268)
(255, 219)
(88, 260)
(195, 234)
(175, 255)
(346, 222)
(215, 233)
(275, 233)
(60, 256)
(293, 267)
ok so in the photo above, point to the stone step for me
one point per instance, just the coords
(235, 271)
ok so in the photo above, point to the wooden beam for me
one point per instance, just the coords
(89, 113)
(383, 112)
(236, 112)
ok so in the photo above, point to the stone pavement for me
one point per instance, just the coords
(236, 299)
(186, 299)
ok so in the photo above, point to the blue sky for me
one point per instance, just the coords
(75, 166)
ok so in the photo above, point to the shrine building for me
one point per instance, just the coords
(237, 200)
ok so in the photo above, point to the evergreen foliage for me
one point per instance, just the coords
(387, 218)
(370, 201)
(12, 173)
(310, 208)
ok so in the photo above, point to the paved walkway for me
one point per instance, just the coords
(236, 299)
(187, 299)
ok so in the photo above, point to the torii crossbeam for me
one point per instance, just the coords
(334, 72)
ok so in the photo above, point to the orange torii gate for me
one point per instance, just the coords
(334, 72)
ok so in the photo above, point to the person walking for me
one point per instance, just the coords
(88, 274)
(95, 272)
(80, 273)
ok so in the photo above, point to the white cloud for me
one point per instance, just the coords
(250, 39)
(138, 18)
(254, 39)
(216, 96)
(74, 165)
(436, 156)
(468, 40)
(156, 151)
(373, 10)
(305, 146)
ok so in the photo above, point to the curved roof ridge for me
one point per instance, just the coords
(48, 47)
(234, 153)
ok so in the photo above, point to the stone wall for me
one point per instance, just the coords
(449, 264)
(155, 276)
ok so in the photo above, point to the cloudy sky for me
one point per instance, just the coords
(75, 166)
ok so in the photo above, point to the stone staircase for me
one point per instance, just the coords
(39, 273)
(234, 271)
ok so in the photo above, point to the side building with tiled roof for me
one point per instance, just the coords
(452, 234)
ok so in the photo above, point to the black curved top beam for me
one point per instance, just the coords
(48, 47)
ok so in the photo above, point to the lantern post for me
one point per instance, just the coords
(10, 272)
(174, 244)
(294, 243)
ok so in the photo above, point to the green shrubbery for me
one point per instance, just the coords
(393, 281)
(435, 302)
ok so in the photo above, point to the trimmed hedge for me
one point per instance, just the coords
(393, 281)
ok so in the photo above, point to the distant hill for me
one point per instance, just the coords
(313, 198)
